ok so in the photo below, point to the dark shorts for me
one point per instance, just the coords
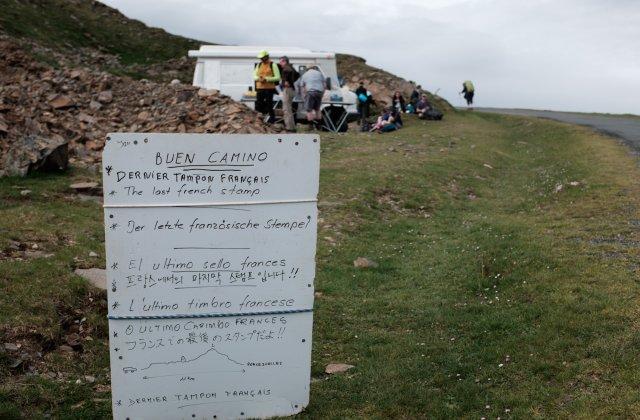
(313, 101)
(468, 96)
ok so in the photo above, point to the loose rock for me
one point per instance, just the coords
(333, 368)
(105, 97)
(11, 347)
(96, 276)
(83, 186)
(362, 262)
(95, 105)
(61, 102)
(32, 153)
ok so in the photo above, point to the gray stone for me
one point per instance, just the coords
(36, 253)
(94, 105)
(82, 186)
(61, 102)
(333, 368)
(11, 347)
(105, 96)
(96, 276)
(35, 154)
(362, 262)
(203, 93)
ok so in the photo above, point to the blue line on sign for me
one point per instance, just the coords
(292, 311)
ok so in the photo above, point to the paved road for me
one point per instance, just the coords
(626, 128)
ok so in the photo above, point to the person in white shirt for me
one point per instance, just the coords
(313, 85)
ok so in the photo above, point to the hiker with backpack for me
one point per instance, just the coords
(289, 75)
(469, 90)
(266, 75)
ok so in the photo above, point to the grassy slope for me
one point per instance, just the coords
(85, 23)
(521, 299)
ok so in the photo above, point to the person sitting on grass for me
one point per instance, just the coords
(397, 101)
(422, 106)
(397, 117)
(385, 122)
(415, 96)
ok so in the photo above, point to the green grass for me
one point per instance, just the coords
(495, 295)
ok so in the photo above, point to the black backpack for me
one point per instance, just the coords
(432, 114)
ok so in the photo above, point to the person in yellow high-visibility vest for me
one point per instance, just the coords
(469, 91)
(266, 75)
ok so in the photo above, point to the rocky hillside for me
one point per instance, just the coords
(382, 84)
(87, 31)
(49, 116)
(74, 70)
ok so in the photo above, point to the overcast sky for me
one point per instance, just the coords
(574, 55)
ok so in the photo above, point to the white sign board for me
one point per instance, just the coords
(210, 266)
(167, 169)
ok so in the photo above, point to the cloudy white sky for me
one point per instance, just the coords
(574, 55)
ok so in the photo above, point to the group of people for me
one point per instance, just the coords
(391, 117)
(418, 102)
(270, 76)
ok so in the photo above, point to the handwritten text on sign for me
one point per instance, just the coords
(210, 268)
(192, 260)
(197, 169)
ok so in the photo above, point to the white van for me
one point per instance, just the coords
(229, 69)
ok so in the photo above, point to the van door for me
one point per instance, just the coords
(211, 74)
(235, 78)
